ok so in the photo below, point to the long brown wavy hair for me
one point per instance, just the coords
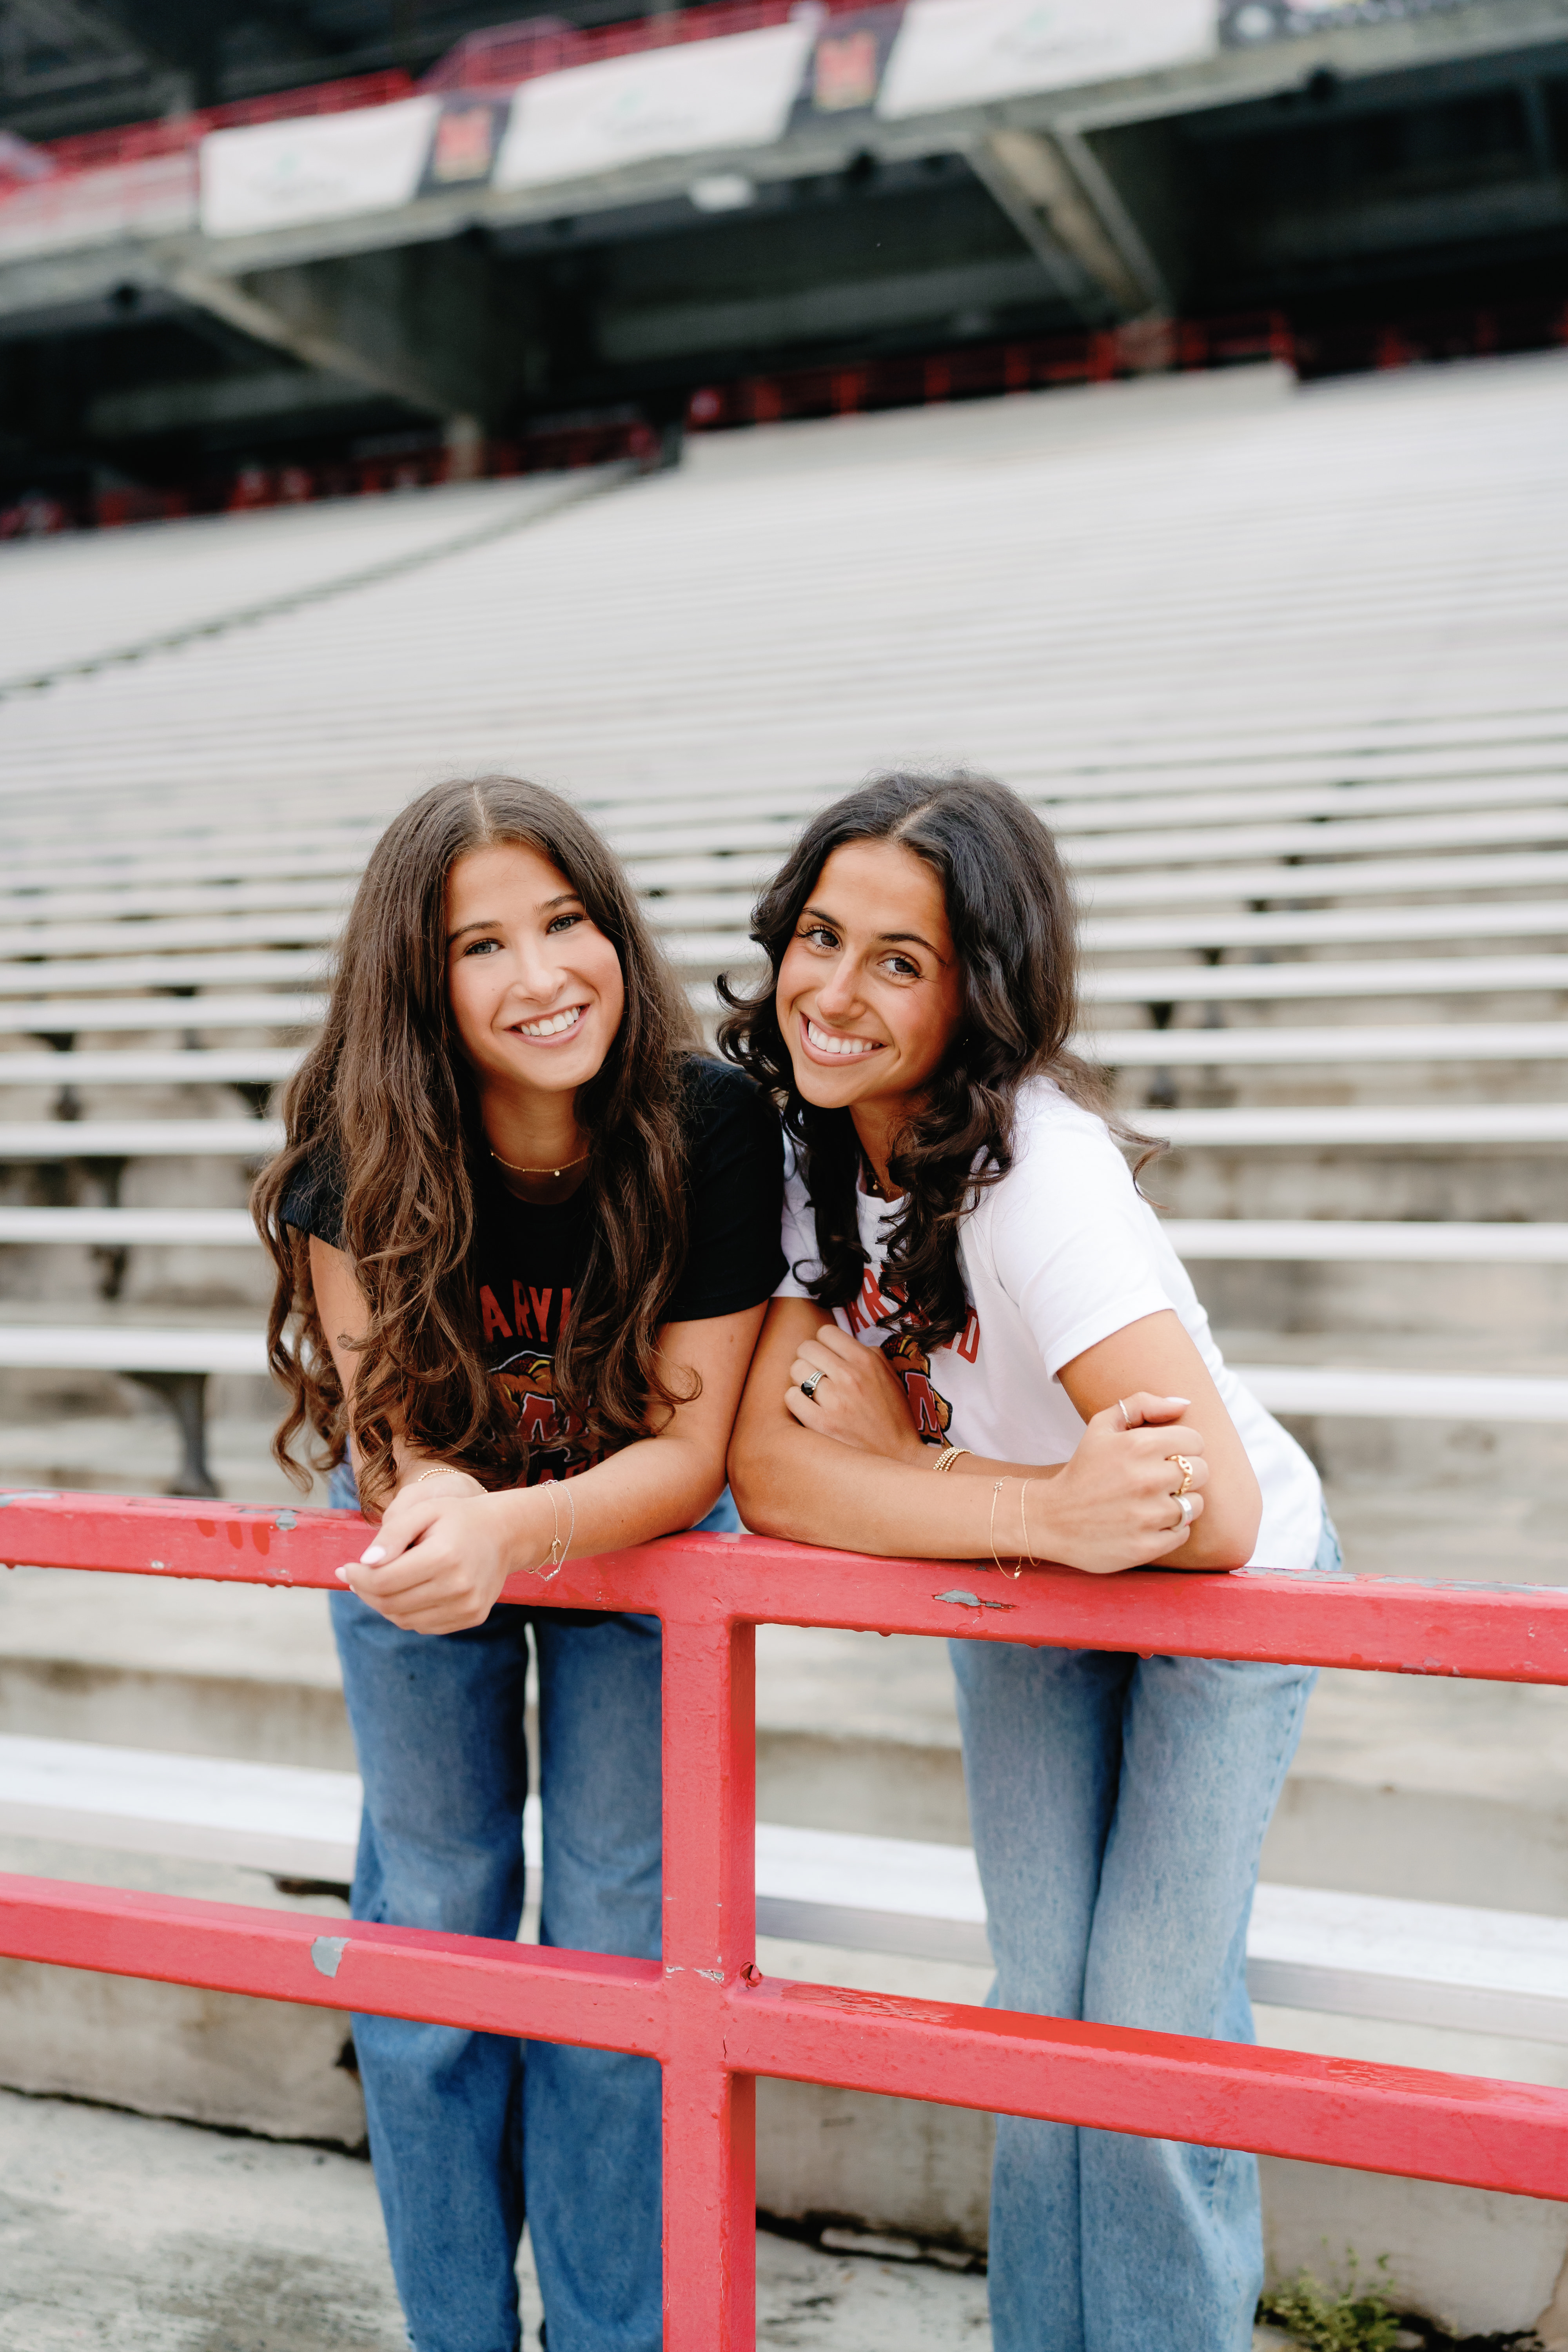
(384, 1109)
(1010, 910)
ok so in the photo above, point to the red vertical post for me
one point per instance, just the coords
(710, 1939)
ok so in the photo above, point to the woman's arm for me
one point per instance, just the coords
(1109, 1508)
(444, 1550)
(861, 1404)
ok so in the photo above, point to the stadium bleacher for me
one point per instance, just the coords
(1199, 623)
(1280, 667)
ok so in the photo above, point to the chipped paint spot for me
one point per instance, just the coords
(285, 1520)
(971, 1601)
(326, 1951)
(162, 1566)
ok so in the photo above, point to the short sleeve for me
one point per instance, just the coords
(1071, 1239)
(736, 1190)
(315, 1202)
(798, 1234)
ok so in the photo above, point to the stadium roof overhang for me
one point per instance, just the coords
(1073, 206)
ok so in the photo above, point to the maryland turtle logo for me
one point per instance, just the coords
(929, 1409)
(552, 1435)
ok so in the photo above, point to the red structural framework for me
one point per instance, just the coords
(704, 2011)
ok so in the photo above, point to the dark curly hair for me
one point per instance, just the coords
(385, 1103)
(1010, 910)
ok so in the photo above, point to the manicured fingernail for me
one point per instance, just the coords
(342, 1574)
(1181, 1400)
(372, 1558)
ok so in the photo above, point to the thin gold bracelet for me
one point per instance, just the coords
(947, 1456)
(442, 1470)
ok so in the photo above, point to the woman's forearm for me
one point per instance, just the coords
(655, 1486)
(815, 1491)
(1108, 1508)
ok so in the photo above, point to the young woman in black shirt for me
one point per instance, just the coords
(524, 1237)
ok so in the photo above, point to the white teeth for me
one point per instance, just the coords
(847, 1047)
(554, 1026)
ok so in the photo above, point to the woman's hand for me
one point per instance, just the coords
(444, 1550)
(1113, 1504)
(859, 1399)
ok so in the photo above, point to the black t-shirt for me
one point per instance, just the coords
(529, 1258)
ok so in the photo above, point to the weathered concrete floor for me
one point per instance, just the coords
(136, 2236)
(129, 2235)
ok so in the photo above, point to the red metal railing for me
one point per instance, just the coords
(172, 134)
(704, 2011)
(501, 57)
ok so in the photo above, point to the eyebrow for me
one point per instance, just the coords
(493, 922)
(886, 939)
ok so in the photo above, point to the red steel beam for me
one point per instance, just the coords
(1453, 2127)
(1498, 1632)
(325, 1961)
(1396, 2119)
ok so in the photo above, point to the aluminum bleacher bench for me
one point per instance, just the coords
(90, 973)
(238, 1066)
(1231, 983)
(44, 1017)
(139, 1139)
(1339, 1126)
(1455, 1041)
(1429, 1964)
(1346, 1238)
(175, 1365)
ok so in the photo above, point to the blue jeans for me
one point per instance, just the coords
(1119, 1807)
(469, 2132)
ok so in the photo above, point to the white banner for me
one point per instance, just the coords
(700, 95)
(314, 167)
(964, 52)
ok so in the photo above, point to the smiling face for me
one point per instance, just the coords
(534, 985)
(870, 992)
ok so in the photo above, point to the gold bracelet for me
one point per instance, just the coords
(1014, 1572)
(442, 1470)
(558, 1551)
(1023, 1517)
(947, 1456)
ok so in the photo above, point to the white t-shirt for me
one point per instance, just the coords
(1060, 1253)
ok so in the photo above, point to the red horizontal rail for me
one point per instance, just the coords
(704, 2013)
(1406, 2120)
(1492, 1632)
(478, 63)
(172, 134)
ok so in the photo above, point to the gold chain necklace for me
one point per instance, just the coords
(513, 1170)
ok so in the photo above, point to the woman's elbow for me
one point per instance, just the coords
(1228, 1528)
(758, 1494)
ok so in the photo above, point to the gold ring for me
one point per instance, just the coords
(1185, 1467)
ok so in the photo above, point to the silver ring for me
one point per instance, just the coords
(810, 1385)
(1184, 1504)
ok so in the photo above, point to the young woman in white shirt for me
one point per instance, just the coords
(986, 1348)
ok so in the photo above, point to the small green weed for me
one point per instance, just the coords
(1357, 2318)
